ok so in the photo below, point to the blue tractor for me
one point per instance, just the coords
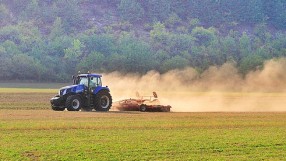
(86, 93)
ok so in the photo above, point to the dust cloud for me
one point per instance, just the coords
(218, 89)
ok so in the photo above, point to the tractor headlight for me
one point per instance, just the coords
(62, 92)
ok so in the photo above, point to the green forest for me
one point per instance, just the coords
(50, 40)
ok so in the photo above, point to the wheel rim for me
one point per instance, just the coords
(104, 102)
(143, 108)
(75, 104)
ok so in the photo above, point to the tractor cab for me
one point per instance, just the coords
(89, 80)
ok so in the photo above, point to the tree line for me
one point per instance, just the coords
(45, 40)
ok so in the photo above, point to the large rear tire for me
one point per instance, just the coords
(73, 103)
(102, 101)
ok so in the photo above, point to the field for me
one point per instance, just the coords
(30, 131)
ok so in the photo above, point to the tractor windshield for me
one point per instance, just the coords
(83, 80)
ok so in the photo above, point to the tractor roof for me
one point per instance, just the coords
(90, 75)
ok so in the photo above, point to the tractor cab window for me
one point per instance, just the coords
(92, 83)
(98, 83)
(83, 80)
(95, 82)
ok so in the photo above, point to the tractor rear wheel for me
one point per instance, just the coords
(73, 103)
(103, 101)
(143, 108)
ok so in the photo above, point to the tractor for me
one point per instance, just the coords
(85, 94)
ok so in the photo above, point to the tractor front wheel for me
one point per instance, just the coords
(73, 103)
(103, 101)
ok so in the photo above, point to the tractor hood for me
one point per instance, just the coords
(68, 87)
(71, 89)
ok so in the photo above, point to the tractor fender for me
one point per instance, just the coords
(98, 89)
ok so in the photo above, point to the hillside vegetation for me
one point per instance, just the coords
(46, 40)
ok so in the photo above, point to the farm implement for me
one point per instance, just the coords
(142, 103)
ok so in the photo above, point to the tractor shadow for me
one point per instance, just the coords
(116, 112)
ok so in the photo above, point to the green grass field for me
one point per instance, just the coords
(29, 130)
(48, 135)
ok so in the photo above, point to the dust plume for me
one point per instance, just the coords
(220, 88)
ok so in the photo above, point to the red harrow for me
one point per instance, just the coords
(142, 103)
